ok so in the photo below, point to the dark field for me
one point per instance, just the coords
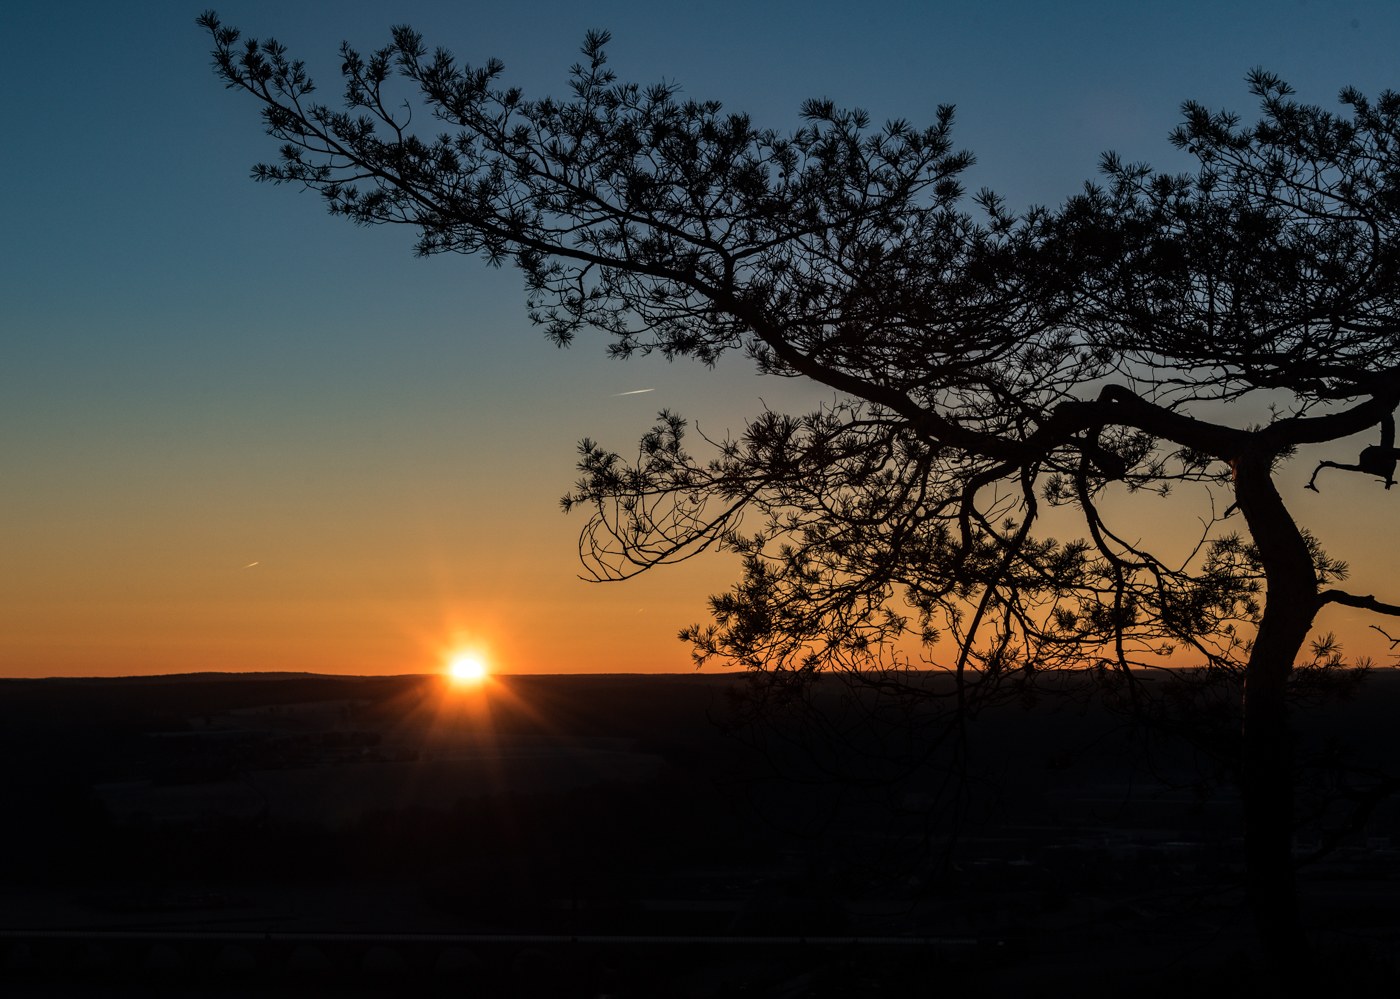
(605, 835)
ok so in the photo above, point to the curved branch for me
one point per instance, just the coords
(1350, 600)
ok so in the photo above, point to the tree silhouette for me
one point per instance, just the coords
(984, 368)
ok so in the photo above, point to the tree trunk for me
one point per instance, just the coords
(1290, 604)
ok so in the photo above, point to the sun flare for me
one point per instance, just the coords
(467, 669)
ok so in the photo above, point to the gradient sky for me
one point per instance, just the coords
(199, 372)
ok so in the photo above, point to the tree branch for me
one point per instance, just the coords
(1365, 603)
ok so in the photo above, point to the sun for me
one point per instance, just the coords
(467, 669)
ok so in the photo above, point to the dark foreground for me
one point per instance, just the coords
(603, 836)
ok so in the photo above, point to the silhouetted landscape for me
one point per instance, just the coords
(589, 835)
(982, 414)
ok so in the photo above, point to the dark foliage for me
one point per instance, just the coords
(986, 365)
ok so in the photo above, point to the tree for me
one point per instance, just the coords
(984, 368)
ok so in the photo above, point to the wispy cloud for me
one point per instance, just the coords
(250, 565)
(633, 392)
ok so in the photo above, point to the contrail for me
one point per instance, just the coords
(633, 392)
(250, 565)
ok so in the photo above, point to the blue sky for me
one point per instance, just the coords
(199, 372)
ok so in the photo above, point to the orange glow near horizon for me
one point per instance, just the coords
(111, 597)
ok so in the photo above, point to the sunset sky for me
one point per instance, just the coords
(200, 373)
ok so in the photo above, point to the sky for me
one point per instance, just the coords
(238, 434)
